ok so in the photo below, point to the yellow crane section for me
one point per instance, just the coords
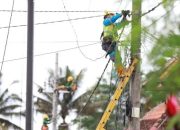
(116, 96)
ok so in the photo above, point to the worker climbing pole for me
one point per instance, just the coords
(68, 85)
(109, 44)
(110, 37)
(46, 121)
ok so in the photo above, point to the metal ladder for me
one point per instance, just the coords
(116, 96)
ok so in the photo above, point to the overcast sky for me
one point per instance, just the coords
(58, 36)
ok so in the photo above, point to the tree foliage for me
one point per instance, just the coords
(159, 85)
(92, 113)
(9, 106)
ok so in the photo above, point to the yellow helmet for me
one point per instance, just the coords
(107, 13)
(45, 116)
(70, 78)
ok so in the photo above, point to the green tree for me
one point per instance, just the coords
(165, 78)
(163, 35)
(89, 118)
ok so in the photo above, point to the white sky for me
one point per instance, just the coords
(49, 37)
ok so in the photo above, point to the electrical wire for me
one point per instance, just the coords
(155, 21)
(47, 53)
(76, 36)
(51, 22)
(7, 36)
(99, 79)
(60, 11)
(80, 18)
(152, 9)
(83, 45)
(94, 89)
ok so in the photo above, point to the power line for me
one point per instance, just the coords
(152, 9)
(80, 18)
(78, 11)
(76, 36)
(65, 20)
(54, 42)
(72, 48)
(7, 36)
(62, 41)
(47, 53)
(94, 89)
(60, 11)
(161, 17)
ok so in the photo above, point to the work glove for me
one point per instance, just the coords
(125, 13)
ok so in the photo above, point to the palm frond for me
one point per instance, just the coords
(4, 101)
(68, 72)
(80, 76)
(4, 94)
(13, 113)
(8, 108)
(13, 97)
(14, 82)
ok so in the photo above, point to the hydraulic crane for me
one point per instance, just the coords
(116, 96)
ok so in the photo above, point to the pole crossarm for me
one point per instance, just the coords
(116, 96)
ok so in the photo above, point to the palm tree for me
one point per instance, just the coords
(44, 105)
(9, 105)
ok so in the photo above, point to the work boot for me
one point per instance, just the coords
(121, 71)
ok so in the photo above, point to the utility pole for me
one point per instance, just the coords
(136, 52)
(29, 73)
(55, 97)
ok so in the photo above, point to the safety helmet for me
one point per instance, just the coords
(70, 78)
(107, 13)
(45, 116)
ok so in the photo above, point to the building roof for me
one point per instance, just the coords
(152, 116)
(155, 113)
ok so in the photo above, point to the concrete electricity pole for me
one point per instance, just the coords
(55, 97)
(29, 73)
(136, 52)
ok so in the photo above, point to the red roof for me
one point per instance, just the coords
(152, 116)
(155, 113)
